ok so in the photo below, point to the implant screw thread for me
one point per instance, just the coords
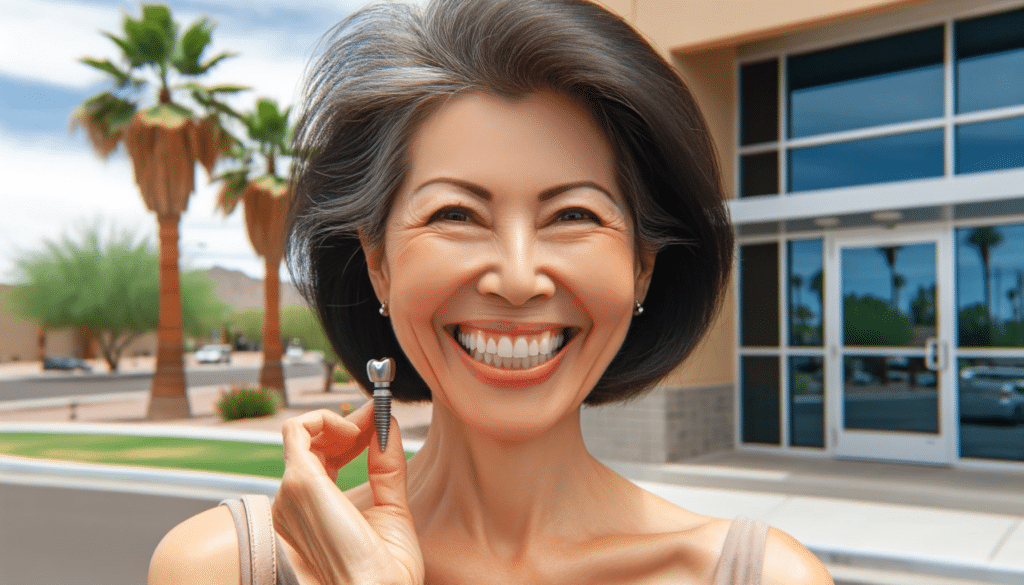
(382, 415)
(381, 373)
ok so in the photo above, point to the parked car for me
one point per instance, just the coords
(294, 353)
(214, 353)
(65, 362)
(992, 392)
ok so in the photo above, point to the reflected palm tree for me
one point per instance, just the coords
(896, 281)
(984, 239)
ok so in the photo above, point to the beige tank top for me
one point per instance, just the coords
(264, 561)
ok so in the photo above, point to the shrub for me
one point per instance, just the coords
(341, 376)
(248, 402)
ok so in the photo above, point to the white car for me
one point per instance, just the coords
(214, 353)
(294, 353)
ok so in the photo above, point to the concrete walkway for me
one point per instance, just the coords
(872, 523)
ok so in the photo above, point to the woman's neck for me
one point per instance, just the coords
(508, 494)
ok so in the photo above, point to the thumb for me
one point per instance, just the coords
(387, 471)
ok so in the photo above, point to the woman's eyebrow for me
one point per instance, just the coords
(546, 194)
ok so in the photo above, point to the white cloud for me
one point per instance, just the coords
(51, 186)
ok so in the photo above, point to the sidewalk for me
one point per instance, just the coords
(872, 523)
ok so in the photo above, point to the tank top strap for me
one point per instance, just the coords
(742, 557)
(260, 550)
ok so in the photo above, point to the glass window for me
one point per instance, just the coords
(889, 393)
(806, 314)
(883, 81)
(759, 174)
(990, 146)
(990, 286)
(990, 61)
(991, 401)
(806, 401)
(900, 157)
(760, 399)
(889, 295)
(759, 96)
(759, 295)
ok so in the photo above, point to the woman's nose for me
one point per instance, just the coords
(517, 273)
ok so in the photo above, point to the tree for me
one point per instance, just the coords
(164, 142)
(108, 285)
(984, 239)
(896, 281)
(300, 322)
(265, 198)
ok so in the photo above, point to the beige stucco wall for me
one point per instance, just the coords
(676, 26)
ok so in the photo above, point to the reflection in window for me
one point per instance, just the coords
(990, 61)
(884, 81)
(889, 393)
(889, 295)
(806, 286)
(899, 157)
(806, 401)
(990, 146)
(991, 403)
(990, 286)
(759, 396)
(759, 295)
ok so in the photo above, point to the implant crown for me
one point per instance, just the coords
(381, 372)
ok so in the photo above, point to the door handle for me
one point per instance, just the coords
(936, 354)
(931, 346)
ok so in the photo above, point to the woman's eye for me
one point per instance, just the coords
(577, 215)
(451, 214)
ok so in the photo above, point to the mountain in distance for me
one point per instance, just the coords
(241, 291)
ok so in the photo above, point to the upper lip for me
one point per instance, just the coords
(510, 327)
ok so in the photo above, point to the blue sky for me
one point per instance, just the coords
(52, 180)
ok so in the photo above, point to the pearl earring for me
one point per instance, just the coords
(383, 310)
(638, 309)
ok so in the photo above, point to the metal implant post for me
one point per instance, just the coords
(381, 373)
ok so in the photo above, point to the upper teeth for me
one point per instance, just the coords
(517, 352)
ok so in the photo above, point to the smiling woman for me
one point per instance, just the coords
(518, 201)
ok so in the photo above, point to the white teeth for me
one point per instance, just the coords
(521, 349)
(504, 347)
(511, 352)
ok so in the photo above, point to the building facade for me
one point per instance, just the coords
(874, 156)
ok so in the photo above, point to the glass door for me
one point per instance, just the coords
(888, 358)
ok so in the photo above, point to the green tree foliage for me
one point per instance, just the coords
(868, 321)
(108, 283)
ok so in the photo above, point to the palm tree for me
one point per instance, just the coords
(895, 280)
(265, 200)
(164, 142)
(984, 239)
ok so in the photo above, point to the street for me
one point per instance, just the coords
(60, 384)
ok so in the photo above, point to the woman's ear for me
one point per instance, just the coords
(644, 270)
(377, 265)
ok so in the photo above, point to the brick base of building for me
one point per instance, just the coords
(667, 424)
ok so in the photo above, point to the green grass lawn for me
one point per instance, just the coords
(165, 452)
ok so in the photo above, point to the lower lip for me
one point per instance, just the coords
(508, 378)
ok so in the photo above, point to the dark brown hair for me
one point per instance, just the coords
(387, 67)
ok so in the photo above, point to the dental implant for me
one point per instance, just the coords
(381, 373)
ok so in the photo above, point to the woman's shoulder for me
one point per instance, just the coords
(786, 561)
(203, 548)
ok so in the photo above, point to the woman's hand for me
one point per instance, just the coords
(339, 543)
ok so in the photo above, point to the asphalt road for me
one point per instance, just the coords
(54, 535)
(60, 384)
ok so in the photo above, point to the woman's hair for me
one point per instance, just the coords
(388, 67)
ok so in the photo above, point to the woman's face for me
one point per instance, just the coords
(509, 266)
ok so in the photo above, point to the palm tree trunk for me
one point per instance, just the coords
(41, 343)
(168, 398)
(272, 373)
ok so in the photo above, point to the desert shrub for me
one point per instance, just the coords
(248, 402)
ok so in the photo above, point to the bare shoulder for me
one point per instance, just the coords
(787, 562)
(203, 548)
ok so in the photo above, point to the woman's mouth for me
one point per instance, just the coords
(511, 351)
